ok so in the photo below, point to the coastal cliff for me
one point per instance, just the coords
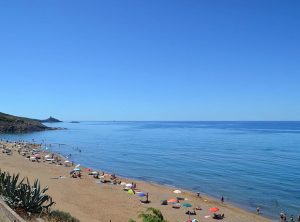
(16, 124)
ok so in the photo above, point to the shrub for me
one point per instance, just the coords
(61, 216)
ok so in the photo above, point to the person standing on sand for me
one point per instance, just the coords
(292, 218)
(257, 210)
(222, 199)
(281, 216)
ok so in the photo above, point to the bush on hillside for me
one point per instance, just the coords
(61, 216)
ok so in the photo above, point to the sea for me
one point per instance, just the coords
(251, 164)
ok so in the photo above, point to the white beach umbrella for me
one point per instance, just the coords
(67, 161)
(176, 191)
(129, 185)
(47, 156)
(77, 166)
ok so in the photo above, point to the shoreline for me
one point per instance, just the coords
(156, 191)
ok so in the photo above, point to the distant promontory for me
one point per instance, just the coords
(16, 124)
(51, 120)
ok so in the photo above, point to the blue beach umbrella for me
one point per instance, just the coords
(142, 194)
(187, 205)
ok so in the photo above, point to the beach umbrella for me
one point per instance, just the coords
(67, 161)
(214, 209)
(176, 191)
(142, 194)
(173, 201)
(37, 155)
(47, 156)
(130, 191)
(128, 185)
(77, 169)
(94, 173)
(77, 166)
(89, 169)
(187, 205)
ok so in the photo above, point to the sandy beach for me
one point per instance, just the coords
(90, 201)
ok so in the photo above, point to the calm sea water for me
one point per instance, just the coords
(250, 163)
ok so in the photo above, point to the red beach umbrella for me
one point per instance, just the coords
(173, 201)
(214, 209)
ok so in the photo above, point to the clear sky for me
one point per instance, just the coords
(151, 60)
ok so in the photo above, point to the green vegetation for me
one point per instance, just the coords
(16, 124)
(61, 216)
(23, 197)
(151, 215)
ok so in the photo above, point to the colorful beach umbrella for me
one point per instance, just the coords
(214, 209)
(89, 169)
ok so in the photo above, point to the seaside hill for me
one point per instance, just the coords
(16, 124)
(51, 120)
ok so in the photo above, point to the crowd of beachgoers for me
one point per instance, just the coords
(35, 153)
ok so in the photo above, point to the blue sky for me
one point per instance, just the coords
(151, 60)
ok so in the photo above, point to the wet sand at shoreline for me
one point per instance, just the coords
(90, 201)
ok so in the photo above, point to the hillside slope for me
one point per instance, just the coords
(16, 124)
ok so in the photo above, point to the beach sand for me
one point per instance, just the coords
(90, 201)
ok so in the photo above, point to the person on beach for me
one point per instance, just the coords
(292, 218)
(281, 216)
(198, 194)
(299, 218)
(222, 200)
(258, 210)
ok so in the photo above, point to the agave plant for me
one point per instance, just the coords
(151, 215)
(32, 198)
(9, 188)
(22, 196)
